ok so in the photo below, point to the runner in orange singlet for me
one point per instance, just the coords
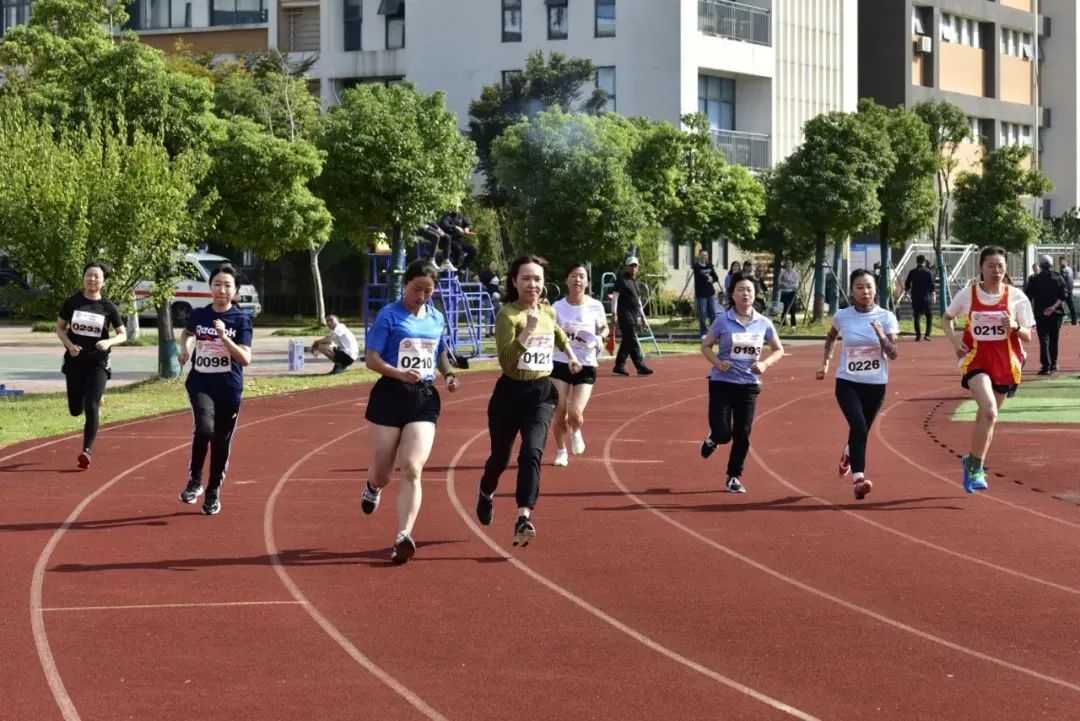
(999, 320)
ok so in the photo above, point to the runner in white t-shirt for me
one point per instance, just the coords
(585, 323)
(870, 335)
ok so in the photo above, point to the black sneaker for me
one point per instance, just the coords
(212, 503)
(404, 548)
(485, 508)
(370, 500)
(524, 531)
(707, 447)
(645, 371)
(192, 492)
(336, 369)
(619, 371)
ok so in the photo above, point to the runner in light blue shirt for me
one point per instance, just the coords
(869, 335)
(739, 335)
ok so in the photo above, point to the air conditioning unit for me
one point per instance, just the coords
(924, 44)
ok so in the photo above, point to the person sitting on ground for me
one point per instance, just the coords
(339, 345)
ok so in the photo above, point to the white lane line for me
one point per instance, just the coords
(37, 583)
(804, 586)
(150, 606)
(106, 429)
(603, 616)
(988, 496)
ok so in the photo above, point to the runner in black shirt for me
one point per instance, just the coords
(83, 327)
(920, 285)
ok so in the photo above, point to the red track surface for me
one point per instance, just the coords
(648, 593)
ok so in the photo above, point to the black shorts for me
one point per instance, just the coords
(396, 404)
(342, 358)
(1007, 390)
(584, 377)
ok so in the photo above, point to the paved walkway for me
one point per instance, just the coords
(31, 361)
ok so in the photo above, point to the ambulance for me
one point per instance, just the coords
(193, 291)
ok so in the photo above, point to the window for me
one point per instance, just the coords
(1015, 134)
(12, 13)
(1017, 44)
(354, 24)
(394, 10)
(917, 25)
(716, 99)
(155, 14)
(385, 81)
(964, 31)
(558, 24)
(238, 12)
(605, 18)
(511, 21)
(605, 80)
(508, 75)
(298, 29)
(676, 251)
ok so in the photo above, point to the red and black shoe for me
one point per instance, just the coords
(845, 463)
(84, 459)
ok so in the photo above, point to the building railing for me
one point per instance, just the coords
(751, 150)
(735, 20)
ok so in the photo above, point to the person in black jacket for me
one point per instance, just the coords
(705, 280)
(1047, 293)
(628, 315)
(920, 285)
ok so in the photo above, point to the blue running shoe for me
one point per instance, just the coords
(978, 481)
(967, 475)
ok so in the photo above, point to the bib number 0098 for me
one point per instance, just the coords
(211, 361)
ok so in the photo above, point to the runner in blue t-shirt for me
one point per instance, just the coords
(405, 346)
(215, 385)
(869, 335)
(735, 381)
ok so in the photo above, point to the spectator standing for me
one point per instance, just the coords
(1069, 277)
(705, 280)
(1046, 291)
(920, 285)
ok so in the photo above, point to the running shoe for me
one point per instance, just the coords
(562, 457)
(978, 480)
(967, 474)
(485, 508)
(370, 500)
(619, 371)
(404, 548)
(192, 492)
(524, 531)
(84, 460)
(212, 503)
(577, 442)
(707, 447)
(644, 370)
(862, 488)
(734, 485)
(845, 462)
(336, 369)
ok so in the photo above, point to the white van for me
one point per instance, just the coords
(194, 292)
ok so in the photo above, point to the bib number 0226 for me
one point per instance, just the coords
(863, 366)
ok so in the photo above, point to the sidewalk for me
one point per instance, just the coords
(31, 361)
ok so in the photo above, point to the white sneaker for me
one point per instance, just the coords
(577, 442)
(562, 458)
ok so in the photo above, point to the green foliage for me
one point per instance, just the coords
(95, 192)
(394, 157)
(264, 202)
(772, 237)
(567, 180)
(990, 206)
(555, 83)
(263, 88)
(1063, 229)
(485, 223)
(948, 126)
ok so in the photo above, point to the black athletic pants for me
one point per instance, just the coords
(1049, 329)
(525, 408)
(629, 347)
(731, 418)
(214, 425)
(85, 385)
(922, 310)
(787, 297)
(860, 403)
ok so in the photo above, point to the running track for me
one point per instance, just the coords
(648, 593)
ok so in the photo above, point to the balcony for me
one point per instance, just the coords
(735, 21)
(751, 150)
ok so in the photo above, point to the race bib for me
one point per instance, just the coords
(987, 326)
(581, 335)
(537, 356)
(90, 325)
(746, 346)
(211, 356)
(417, 354)
(863, 360)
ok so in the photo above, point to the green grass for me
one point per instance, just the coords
(41, 415)
(1046, 401)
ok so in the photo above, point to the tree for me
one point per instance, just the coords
(989, 205)
(96, 192)
(907, 196)
(828, 187)
(1063, 229)
(395, 158)
(772, 236)
(948, 126)
(567, 181)
(558, 82)
(694, 191)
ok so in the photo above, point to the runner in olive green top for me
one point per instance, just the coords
(526, 335)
